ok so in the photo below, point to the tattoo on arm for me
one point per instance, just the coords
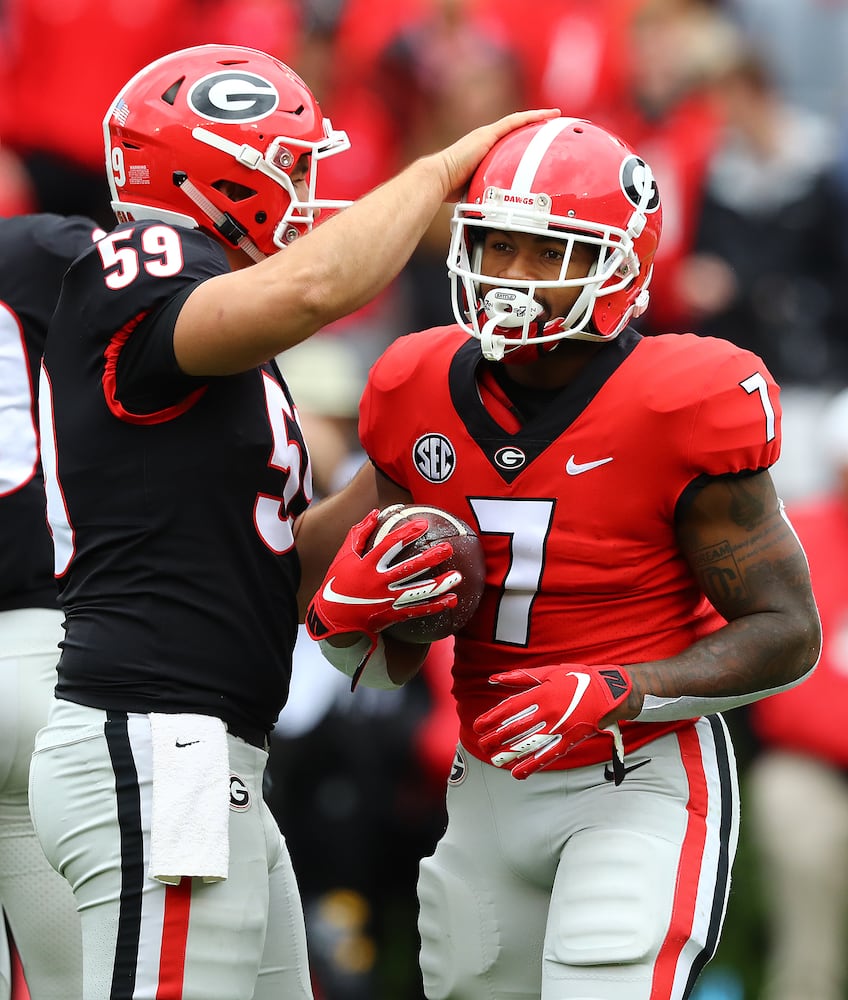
(740, 548)
(749, 565)
(747, 506)
(718, 573)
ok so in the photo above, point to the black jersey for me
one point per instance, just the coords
(35, 252)
(170, 498)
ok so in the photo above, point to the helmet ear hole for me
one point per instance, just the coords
(233, 190)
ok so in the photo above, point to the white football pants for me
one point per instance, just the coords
(38, 903)
(565, 887)
(239, 939)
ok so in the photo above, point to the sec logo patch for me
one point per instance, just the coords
(434, 457)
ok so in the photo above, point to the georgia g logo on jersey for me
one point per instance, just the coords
(233, 96)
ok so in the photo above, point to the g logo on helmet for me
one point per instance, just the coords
(232, 96)
(635, 174)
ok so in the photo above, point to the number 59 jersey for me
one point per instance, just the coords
(576, 506)
(170, 498)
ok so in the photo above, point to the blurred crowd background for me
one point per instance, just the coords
(740, 106)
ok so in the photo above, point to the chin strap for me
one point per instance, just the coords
(226, 225)
(492, 344)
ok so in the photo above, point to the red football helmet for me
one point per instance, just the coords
(209, 136)
(572, 180)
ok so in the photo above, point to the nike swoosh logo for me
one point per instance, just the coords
(579, 691)
(188, 744)
(575, 468)
(608, 772)
(333, 595)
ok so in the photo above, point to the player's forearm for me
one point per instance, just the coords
(350, 258)
(748, 562)
(341, 265)
(742, 662)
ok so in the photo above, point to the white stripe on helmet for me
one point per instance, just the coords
(535, 153)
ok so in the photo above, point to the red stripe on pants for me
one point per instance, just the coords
(174, 936)
(689, 870)
(19, 986)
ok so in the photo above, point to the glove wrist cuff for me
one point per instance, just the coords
(364, 662)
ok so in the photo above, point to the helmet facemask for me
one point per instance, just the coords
(504, 316)
(569, 181)
(279, 159)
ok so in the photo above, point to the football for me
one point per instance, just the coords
(467, 559)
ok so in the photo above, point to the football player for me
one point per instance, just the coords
(175, 468)
(641, 578)
(35, 252)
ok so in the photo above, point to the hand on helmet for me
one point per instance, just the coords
(553, 709)
(463, 157)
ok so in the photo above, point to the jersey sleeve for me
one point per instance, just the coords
(65, 237)
(738, 419)
(708, 408)
(129, 289)
(386, 402)
(148, 379)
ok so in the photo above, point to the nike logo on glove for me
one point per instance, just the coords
(333, 595)
(582, 683)
(575, 468)
(609, 774)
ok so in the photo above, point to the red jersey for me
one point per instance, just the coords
(575, 507)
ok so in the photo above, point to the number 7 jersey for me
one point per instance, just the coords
(576, 506)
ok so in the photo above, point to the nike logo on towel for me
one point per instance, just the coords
(333, 595)
(575, 468)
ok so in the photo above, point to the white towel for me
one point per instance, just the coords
(189, 833)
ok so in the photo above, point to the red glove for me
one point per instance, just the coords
(363, 592)
(556, 708)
